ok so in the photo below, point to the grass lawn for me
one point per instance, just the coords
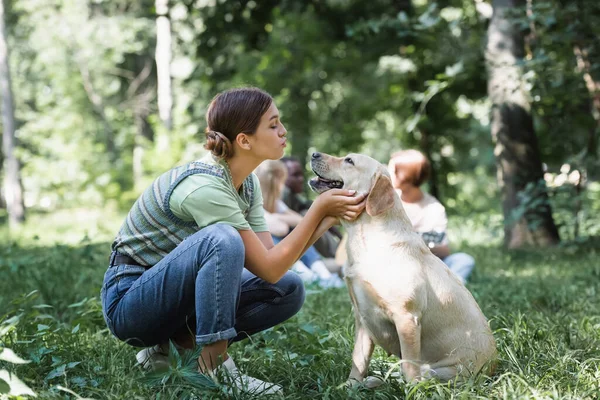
(543, 306)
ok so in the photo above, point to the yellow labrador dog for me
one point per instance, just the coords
(405, 299)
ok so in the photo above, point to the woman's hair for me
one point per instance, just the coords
(232, 112)
(271, 175)
(414, 163)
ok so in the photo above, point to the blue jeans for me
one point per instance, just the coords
(461, 264)
(310, 255)
(202, 286)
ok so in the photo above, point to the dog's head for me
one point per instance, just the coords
(357, 172)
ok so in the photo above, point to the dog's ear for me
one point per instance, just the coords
(381, 197)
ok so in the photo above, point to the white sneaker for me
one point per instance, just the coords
(305, 273)
(334, 281)
(244, 383)
(153, 358)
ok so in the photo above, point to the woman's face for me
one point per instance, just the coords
(269, 142)
(399, 177)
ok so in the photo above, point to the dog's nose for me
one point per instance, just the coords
(316, 156)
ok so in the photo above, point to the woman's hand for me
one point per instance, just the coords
(342, 203)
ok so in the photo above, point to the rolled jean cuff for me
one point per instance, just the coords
(215, 337)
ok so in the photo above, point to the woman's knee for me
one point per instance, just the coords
(223, 234)
(225, 239)
(293, 287)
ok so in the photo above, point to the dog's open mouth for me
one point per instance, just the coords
(320, 184)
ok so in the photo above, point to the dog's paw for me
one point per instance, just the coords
(351, 383)
(370, 382)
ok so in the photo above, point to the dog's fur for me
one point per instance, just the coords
(405, 299)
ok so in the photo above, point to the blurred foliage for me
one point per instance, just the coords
(347, 75)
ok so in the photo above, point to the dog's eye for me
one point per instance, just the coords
(349, 160)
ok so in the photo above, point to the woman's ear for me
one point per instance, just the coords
(243, 141)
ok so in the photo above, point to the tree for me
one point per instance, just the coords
(163, 62)
(527, 212)
(12, 169)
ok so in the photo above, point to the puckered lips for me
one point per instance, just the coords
(321, 184)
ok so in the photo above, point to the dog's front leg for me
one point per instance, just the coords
(363, 349)
(408, 326)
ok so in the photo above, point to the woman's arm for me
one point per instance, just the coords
(323, 227)
(440, 250)
(272, 264)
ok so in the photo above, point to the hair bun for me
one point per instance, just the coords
(218, 144)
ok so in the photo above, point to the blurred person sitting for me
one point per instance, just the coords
(409, 169)
(281, 220)
(293, 198)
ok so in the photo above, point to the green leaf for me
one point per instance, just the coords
(197, 379)
(56, 372)
(40, 306)
(79, 304)
(4, 387)
(174, 356)
(9, 356)
(455, 69)
(76, 329)
(412, 122)
(17, 387)
(309, 328)
(156, 378)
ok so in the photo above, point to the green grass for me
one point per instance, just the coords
(543, 306)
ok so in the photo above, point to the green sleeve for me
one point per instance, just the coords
(256, 214)
(207, 200)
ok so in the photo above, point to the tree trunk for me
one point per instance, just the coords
(584, 67)
(2, 197)
(163, 63)
(527, 213)
(98, 107)
(13, 191)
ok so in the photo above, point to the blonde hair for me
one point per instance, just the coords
(415, 164)
(271, 175)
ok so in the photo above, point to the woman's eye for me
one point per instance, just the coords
(349, 160)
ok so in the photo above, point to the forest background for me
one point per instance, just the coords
(101, 96)
(107, 94)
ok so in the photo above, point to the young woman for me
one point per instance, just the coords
(272, 175)
(194, 262)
